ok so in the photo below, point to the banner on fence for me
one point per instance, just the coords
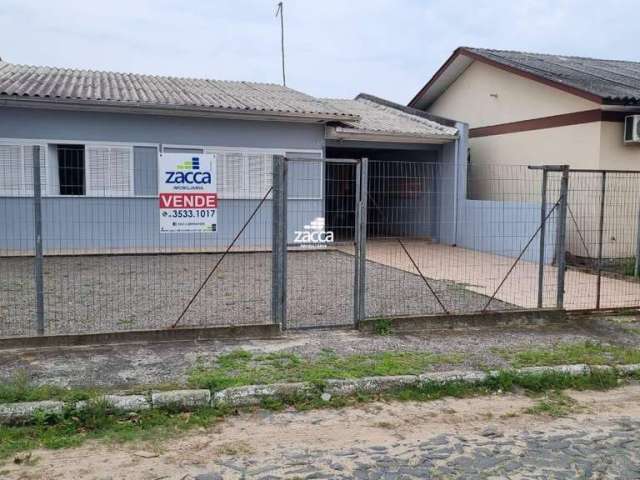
(187, 192)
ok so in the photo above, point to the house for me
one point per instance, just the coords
(535, 109)
(101, 136)
(525, 108)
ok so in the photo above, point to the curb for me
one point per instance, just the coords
(252, 395)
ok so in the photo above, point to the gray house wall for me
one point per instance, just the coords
(93, 224)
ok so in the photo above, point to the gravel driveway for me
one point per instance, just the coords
(88, 294)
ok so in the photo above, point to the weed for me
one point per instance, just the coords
(553, 404)
(588, 352)
(74, 428)
(242, 368)
(18, 389)
(383, 327)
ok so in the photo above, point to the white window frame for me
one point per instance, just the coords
(45, 142)
(23, 191)
(89, 145)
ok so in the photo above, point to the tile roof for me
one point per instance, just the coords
(378, 116)
(90, 87)
(616, 81)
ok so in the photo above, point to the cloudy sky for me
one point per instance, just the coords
(335, 48)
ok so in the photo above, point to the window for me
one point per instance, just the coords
(145, 171)
(16, 169)
(109, 171)
(243, 175)
(71, 169)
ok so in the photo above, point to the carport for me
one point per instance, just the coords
(410, 153)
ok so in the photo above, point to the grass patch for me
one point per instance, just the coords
(243, 368)
(19, 389)
(591, 353)
(74, 428)
(553, 404)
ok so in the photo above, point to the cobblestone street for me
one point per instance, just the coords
(484, 437)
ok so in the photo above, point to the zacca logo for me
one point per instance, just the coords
(188, 172)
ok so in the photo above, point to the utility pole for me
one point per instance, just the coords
(280, 11)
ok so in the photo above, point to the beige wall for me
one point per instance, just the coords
(469, 98)
(614, 154)
(576, 145)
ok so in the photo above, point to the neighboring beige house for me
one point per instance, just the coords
(535, 109)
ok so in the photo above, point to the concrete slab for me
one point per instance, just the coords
(483, 272)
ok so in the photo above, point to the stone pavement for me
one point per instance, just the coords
(611, 451)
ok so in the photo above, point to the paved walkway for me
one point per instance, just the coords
(482, 272)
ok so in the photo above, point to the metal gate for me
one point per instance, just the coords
(324, 256)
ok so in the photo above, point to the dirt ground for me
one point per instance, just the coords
(378, 436)
(90, 294)
(138, 364)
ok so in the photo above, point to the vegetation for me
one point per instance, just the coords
(554, 404)
(244, 368)
(240, 367)
(383, 327)
(73, 427)
(591, 353)
(18, 389)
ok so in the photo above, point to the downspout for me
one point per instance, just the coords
(455, 191)
(460, 151)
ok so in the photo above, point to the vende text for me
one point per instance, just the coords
(188, 200)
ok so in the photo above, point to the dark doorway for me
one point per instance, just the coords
(340, 198)
(401, 192)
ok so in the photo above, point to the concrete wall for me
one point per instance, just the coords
(471, 98)
(92, 224)
(500, 227)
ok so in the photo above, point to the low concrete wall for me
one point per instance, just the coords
(432, 323)
(136, 336)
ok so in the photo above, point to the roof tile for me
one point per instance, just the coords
(110, 88)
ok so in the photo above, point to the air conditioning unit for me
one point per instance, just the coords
(632, 129)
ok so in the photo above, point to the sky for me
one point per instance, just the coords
(334, 48)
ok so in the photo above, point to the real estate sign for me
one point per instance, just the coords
(187, 193)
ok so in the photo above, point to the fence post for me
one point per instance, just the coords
(360, 285)
(356, 247)
(37, 224)
(279, 243)
(543, 215)
(603, 187)
(636, 268)
(561, 235)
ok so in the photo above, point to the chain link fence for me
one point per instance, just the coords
(304, 242)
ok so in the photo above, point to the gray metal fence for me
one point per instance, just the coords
(305, 242)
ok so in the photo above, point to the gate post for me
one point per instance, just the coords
(279, 243)
(561, 234)
(603, 187)
(37, 224)
(360, 237)
(543, 218)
